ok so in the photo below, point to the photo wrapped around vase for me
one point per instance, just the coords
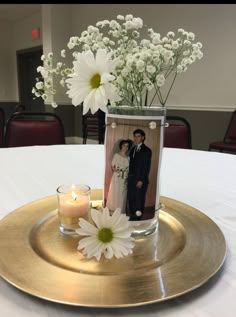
(133, 151)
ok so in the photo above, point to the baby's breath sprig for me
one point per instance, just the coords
(127, 68)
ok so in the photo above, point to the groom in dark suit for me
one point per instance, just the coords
(139, 167)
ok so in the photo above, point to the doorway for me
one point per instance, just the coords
(27, 62)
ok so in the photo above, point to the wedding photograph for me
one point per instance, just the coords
(132, 164)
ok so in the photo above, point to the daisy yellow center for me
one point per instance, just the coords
(105, 235)
(95, 81)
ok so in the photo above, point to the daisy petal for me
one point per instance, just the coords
(86, 227)
(108, 252)
(86, 242)
(95, 214)
(110, 236)
(91, 81)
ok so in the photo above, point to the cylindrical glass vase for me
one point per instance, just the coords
(133, 146)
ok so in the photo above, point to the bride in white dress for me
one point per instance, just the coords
(117, 194)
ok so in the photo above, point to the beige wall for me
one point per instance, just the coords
(57, 29)
(14, 36)
(208, 84)
(22, 40)
(22, 32)
(207, 89)
(7, 72)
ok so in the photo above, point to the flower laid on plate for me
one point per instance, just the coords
(110, 235)
(113, 65)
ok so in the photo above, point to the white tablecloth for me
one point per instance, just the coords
(204, 180)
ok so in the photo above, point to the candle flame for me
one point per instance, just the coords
(73, 194)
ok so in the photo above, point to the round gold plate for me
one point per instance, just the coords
(188, 249)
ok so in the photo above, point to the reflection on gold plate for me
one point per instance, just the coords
(188, 249)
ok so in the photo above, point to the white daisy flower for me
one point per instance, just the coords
(110, 235)
(91, 82)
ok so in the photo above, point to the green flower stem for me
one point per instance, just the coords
(146, 98)
(170, 88)
(153, 99)
(159, 95)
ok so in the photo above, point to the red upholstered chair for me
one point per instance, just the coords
(2, 124)
(34, 128)
(229, 142)
(178, 133)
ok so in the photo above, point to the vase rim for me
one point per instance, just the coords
(139, 108)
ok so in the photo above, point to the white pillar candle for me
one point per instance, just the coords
(74, 205)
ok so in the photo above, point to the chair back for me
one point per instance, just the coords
(34, 128)
(230, 135)
(94, 126)
(2, 126)
(178, 133)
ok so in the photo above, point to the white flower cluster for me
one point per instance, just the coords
(137, 65)
(44, 86)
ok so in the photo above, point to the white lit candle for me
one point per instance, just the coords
(74, 205)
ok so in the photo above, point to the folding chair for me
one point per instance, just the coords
(229, 142)
(2, 125)
(34, 128)
(178, 133)
(94, 125)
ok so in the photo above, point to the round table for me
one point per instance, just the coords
(203, 180)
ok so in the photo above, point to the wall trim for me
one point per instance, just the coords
(9, 101)
(225, 108)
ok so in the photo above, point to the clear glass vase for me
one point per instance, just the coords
(133, 146)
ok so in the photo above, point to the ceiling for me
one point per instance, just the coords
(14, 12)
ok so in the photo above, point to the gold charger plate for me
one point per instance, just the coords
(188, 249)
